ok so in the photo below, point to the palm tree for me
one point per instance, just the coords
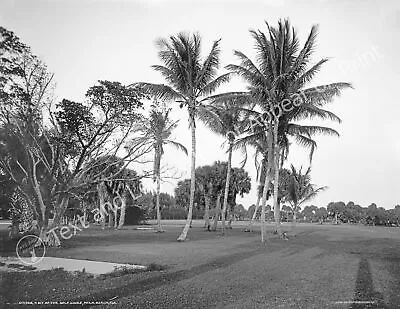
(298, 189)
(158, 128)
(281, 76)
(190, 80)
(224, 118)
(261, 141)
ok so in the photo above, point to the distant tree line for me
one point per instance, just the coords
(337, 212)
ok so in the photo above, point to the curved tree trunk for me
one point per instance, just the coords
(122, 211)
(115, 217)
(49, 237)
(183, 235)
(48, 233)
(248, 227)
(217, 211)
(60, 211)
(267, 181)
(228, 176)
(102, 204)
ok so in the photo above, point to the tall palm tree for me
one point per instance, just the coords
(190, 79)
(260, 139)
(298, 189)
(158, 128)
(224, 118)
(282, 74)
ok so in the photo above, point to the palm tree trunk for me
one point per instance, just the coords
(217, 211)
(277, 212)
(207, 211)
(183, 235)
(248, 227)
(267, 181)
(157, 178)
(159, 227)
(228, 176)
(263, 204)
(230, 217)
(294, 218)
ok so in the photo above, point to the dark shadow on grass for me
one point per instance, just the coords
(365, 295)
(168, 277)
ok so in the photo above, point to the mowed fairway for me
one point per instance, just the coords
(324, 266)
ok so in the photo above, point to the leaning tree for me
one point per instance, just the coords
(158, 128)
(225, 118)
(279, 89)
(190, 80)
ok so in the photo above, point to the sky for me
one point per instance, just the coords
(83, 41)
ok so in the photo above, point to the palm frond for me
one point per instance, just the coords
(312, 194)
(172, 55)
(209, 67)
(303, 58)
(323, 94)
(310, 73)
(169, 74)
(308, 111)
(248, 70)
(210, 88)
(239, 97)
(306, 142)
(295, 129)
(210, 117)
(177, 145)
(160, 91)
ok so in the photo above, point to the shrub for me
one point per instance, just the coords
(155, 267)
(134, 215)
(121, 271)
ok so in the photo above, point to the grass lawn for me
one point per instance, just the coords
(324, 266)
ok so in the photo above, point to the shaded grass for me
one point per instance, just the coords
(318, 268)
